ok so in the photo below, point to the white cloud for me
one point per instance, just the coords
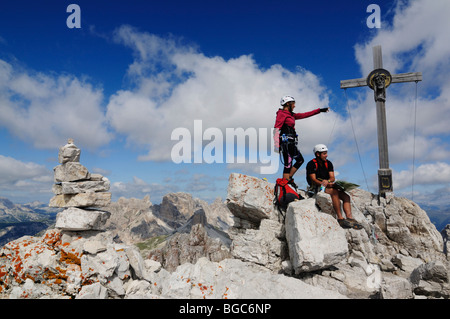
(175, 85)
(20, 181)
(13, 171)
(415, 41)
(420, 27)
(44, 109)
(431, 127)
(138, 188)
(436, 198)
(201, 183)
(426, 174)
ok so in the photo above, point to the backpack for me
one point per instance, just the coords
(284, 194)
(317, 166)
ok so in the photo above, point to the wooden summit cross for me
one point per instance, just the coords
(378, 80)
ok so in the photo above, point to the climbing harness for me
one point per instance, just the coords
(286, 141)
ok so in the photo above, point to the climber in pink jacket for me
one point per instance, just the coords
(286, 137)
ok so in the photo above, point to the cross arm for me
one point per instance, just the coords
(407, 77)
(345, 84)
(396, 78)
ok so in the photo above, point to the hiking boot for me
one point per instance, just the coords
(354, 223)
(344, 223)
(349, 223)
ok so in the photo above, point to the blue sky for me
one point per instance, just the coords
(137, 70)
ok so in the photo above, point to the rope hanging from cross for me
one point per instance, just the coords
(378, 80)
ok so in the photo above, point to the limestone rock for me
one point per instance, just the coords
(76, 219)
(182, 248)
(69, 153)
(67, 265)
(446, 240)
(409, 226)
(219, 215)
(70, 172)
(265, 246)
(29, 257)
(406, 263)
(81, 187)
(136, 262)
(31, 290)
(135, 220)
(81, 200)
(152, 265)
(431, 279)
(177, 207)
(250, 198)
(395, 223)
(140, 289)
(94, 246)
(234, 279)
(315, 240)
(94, 291)
(395, 287)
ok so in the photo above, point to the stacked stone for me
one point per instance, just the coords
(81, 193)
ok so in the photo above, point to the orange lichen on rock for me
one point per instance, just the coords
(56, 276)
(52, 238)
(19, 261)
(225, 294)
(70, 257)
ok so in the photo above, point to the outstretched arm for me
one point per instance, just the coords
(305, 115)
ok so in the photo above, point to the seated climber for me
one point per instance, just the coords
(320, 174)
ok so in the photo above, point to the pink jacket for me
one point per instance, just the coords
(289, 118)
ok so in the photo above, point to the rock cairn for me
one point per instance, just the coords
(81, 193)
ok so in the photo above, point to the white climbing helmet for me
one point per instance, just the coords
(320, 148)
(285, 99)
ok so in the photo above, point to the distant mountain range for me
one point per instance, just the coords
(439, 216)
(17, 220)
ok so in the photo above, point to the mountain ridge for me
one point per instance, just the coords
(17, 220)
(12, 214)
(398, 254)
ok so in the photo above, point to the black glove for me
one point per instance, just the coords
(325, 109)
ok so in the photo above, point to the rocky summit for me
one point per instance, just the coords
(397, 243)
(197, 251)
